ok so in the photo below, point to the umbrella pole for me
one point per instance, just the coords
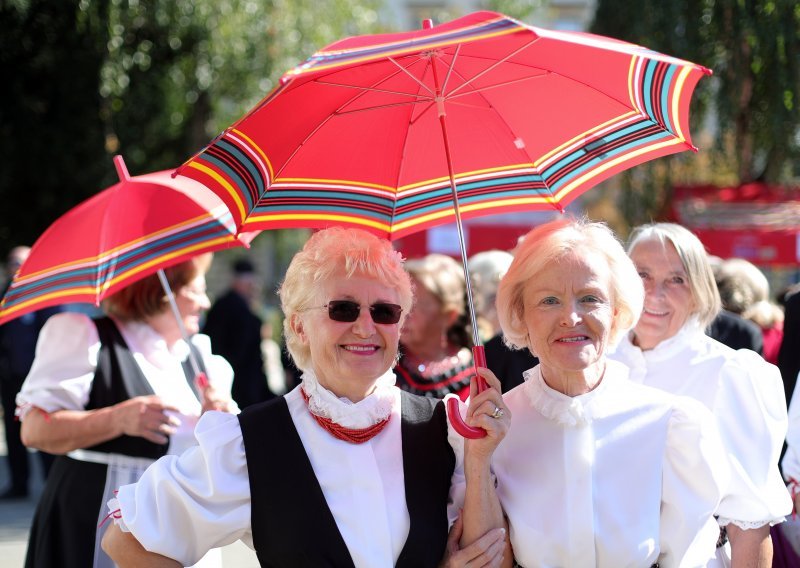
(199, 375)
(478, 353)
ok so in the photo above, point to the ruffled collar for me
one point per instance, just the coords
(143, 338)
(568, 410)
(363, 414)
(666, 349)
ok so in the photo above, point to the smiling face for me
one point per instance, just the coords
(348, 357)
(569, 317)
(668, 299)
(192, 300)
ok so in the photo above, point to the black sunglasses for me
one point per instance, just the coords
(348, 311)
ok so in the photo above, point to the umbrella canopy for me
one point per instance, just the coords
(124, 233)
(396, 133)
(535, 117)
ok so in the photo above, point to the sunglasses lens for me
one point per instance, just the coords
(385, 313)
(343, 311)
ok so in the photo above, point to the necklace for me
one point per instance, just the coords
(352, 435)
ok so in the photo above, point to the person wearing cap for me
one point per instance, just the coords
(235, 332)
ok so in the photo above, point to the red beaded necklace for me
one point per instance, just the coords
(352, 435)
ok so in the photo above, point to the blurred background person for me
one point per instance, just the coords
(235, 331)
(668, 349)
(17, 349)
(435, 343)
(277, 379)
(112, 395)
(728, 326)
(485, 270)
(789, 352)
(596, 470)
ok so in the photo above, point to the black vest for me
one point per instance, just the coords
(288, 504)
(117, 379)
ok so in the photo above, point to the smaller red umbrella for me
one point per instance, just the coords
(128, 231)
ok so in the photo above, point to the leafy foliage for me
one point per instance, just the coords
(153, 80)
(749, 108)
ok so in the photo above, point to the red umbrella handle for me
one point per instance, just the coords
(453, 410)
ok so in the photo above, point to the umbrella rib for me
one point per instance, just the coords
(450, 69)
(407, 72)
(387, 105)
(369, 89)
(492, 67)
(503, 84)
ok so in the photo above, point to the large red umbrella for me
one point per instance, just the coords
(396, 133)
(126, 232)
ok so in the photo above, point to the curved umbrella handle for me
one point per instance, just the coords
(453, 410)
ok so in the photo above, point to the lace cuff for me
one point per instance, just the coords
(749, 525)
(115, 513)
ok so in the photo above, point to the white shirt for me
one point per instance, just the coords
(622, 476)
(791, 459)
(745, 395)
(66, 360)
(203, 496)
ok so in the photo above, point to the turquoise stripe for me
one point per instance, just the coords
(594, 162)
(237, 180)
(665, 90)
(646, 88)
(245, 161)
(325, 194)
(273, 209)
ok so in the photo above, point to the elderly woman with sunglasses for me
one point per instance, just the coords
(669, 350)
(596, 470)
(344, 470)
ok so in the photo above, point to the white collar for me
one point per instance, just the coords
(568, 410)
(363, 414)
(669, 347)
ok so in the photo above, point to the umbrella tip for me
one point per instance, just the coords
(122, 169)
(427, 24)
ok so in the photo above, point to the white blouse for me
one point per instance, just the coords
(791, 459)
(203, 495)
(66, 361)
(745, 395)
(622, 476)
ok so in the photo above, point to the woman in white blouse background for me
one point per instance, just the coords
(669, 350)
(346, 469)
(595, 470)
(112, 395)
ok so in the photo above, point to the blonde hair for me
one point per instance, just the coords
(549, 243)
(332, 253)
(695, 262)
(146, 297)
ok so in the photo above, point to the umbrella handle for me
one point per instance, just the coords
(453, 410)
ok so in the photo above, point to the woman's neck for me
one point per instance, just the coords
(166, 326)
(574, 383)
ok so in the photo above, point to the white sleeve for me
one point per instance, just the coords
(220, 372)
(750, 410)
(695, 475)
(185, 505)
(458, 483)
(791, 460)
(64, 367)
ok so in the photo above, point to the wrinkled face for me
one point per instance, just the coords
(427, 321)
(192, 300)
(349, 357)
(668, 300)
(569, 313)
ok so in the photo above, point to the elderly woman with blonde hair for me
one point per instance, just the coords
(596, 471)
(668, 350)
(344, 470)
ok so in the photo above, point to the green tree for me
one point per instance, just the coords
(749, 106)
(153, 80)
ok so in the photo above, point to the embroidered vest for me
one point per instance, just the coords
(119, 378)
(288, 504)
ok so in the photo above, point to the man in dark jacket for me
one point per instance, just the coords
(17, 347)
(235, 333)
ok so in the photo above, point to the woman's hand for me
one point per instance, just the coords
(486, 551)
(212, 399)
(146, 417)
(487, 410)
